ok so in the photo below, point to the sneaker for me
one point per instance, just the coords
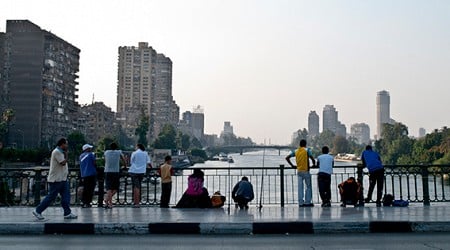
(38, 215)
(367, 200)
(309, 205)
(70, 216)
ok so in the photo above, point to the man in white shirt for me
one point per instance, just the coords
(140, 161)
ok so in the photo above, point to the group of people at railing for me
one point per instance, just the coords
(350, 190)
(195, 196)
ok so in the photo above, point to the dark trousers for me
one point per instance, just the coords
(324, 181)
(376, 177)
(88, 189)
(166, 189)
(241, 201)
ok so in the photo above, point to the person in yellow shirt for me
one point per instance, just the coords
(302, 156)
(166, 172)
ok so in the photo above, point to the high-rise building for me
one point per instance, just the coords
(198, 123)
(227, 128)
(383, 111)
(422, 132)
(330, 118)
(313, 124)
(361, 132)
(39, 84)
(341, 130)
(145, 84)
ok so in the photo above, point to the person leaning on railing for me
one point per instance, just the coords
(372, 161)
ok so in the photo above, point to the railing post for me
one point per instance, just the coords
(37, 186)
(282, 184)
(360, 177)
(425, 189)
(101, 186)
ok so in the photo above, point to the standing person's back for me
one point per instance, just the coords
(372, 161)
(325, 163)
(112, 172)
(139, 163)
(302, 156)
(166, 172)
(88, 174)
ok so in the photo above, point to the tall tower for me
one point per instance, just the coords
(330, 118)
(39, 84)
(383, 110)
(145, 83)
(313, 124)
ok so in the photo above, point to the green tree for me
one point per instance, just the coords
(167, 139)
(142, 128)
(301, 134)
(76, 141)
(395, 147)
(185, 142)
(340, 145)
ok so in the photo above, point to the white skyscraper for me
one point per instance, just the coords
(383, 111)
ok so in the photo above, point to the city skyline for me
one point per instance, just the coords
(264, 65)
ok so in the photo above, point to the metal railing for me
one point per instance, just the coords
(414, 183)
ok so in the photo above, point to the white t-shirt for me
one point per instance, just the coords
(112, 161)
(139, 161)
(325, 162)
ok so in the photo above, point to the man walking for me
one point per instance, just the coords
(372, 161)
(57, 181)
(140, 161)
(302, 156)
(88, 174)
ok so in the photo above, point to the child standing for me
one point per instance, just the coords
(166, 172)
(325, 162)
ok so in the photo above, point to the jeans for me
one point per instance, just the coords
(166, 189)
(376, 177)
(324, 181)
(61, 187)
(304, 177)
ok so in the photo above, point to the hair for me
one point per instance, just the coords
(302, 143)
(141, 146)
(113, 146)
(167, 158)
(352, 178)
(61, 142)
(368, 147)
(325, 150)
(244, 178)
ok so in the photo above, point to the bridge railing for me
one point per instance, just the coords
(272, 185)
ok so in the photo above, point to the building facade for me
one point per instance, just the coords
(329, 118)
(97, 121)
(313, 124)
(145, 86)
(39, 84)
(361, 132)
(383, 111)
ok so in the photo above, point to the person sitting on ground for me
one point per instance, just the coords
(242, 193)
(350, 191)
(195, 196)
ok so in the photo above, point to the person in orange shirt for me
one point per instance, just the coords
(166, 172)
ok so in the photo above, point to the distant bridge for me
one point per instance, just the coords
(241, 149)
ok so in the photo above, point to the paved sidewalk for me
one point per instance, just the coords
(270, 220)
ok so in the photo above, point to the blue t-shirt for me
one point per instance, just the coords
(371, 160)
(87, 164)
(325, 163)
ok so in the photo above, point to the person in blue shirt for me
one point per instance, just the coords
(325, 162)
(372, 161)
(88, 174)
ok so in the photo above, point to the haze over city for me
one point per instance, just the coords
(263, 65)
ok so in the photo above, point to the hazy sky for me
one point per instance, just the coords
(263, 65)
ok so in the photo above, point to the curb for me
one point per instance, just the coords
(225, 228)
